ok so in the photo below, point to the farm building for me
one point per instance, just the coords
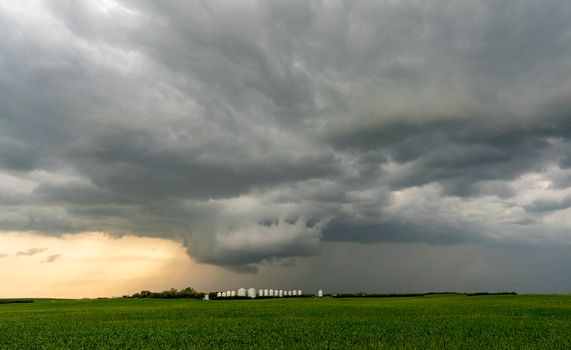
(253, 293)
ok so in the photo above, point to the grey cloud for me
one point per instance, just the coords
(38, 218)
(244, 245)
(137, 164)
(254, 131)
(549, 205)
(462, 153)
(31, 251)
(17, 156)
(78, 194)
(51, 258)
(397, 232)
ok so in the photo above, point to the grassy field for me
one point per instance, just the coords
(432, 322)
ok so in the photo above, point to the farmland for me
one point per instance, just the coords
(430, 322)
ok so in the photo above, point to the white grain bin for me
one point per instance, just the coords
(223, 294)
(252, 293)
(261, 293)
(206, 297)
(320, 293)
(219, 295)
(242, 292)
(294, 293)
(271, 292)
(281, 294)
(266, 293)
(233, 293)
(289, 293)
(299, 292)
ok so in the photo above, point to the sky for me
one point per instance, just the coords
(375, 145)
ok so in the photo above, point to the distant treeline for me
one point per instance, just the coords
(16, 301)
(485, 293)
(376, 295)
(189, 292)
(404, 295)
(172, 293)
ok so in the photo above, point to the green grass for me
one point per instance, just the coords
(432, 322)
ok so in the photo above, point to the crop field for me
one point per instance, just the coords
(430, 322)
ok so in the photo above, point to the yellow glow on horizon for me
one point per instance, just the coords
(89, 264)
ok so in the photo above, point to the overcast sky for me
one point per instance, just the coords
(394, 145)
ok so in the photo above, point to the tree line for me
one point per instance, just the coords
(172, 293)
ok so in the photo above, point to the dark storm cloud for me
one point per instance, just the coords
(254, 130)
(78, 194)
(396, 232)
(178, 170)
(462, 152)
(17, 156)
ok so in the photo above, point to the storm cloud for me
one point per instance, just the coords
(254, 131)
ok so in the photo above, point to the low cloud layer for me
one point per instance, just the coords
(253, 131)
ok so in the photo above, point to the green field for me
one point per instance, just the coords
(431, 322)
